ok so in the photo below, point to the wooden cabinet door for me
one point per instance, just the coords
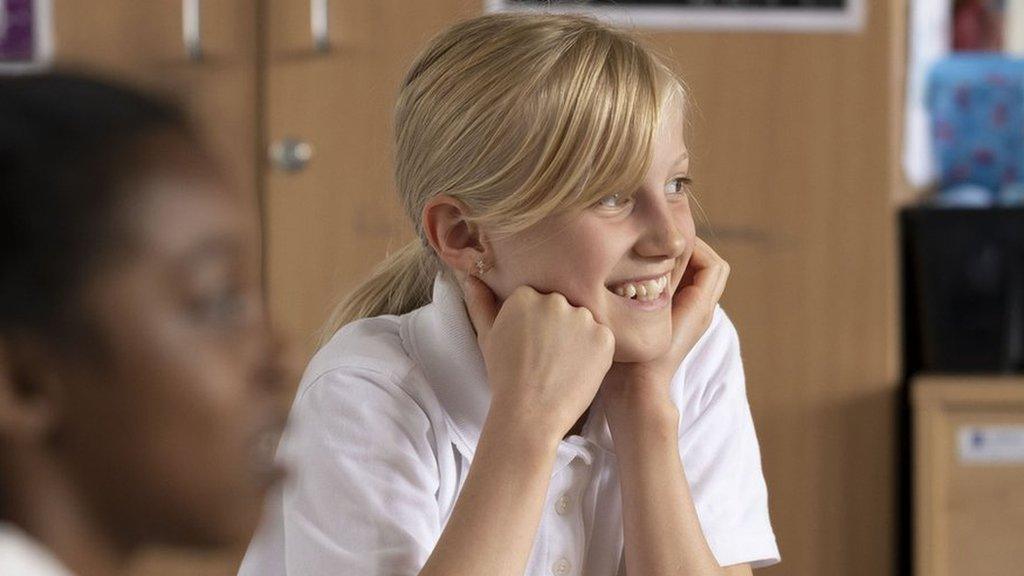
(968, 475)
(328, 224)
(142, 42)
(791, 162)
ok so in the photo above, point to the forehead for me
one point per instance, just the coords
(670, 138)
(176, 199)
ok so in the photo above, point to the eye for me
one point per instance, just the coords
(613, 201)
(225, 306)
(679, 186)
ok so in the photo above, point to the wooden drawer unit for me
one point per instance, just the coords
(968, 451)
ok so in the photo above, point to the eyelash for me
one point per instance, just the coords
(224, 306)
(685, 180)
(687, 183)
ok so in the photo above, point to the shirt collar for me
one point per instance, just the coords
(444, 342)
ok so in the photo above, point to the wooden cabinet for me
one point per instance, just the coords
(329, 224)
(968, 444)
(142, 42)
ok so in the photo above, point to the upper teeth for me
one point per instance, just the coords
(646, 290)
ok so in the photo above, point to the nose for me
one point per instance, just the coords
(274, 357)
(662, 236)
(278, 365)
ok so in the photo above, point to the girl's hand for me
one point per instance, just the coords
(545, 358)
(693, 307)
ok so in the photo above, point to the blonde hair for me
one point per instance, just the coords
(518, 116)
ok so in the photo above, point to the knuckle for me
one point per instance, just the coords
(520, 293)
(526, 297)
(525, 292)
(557, 303)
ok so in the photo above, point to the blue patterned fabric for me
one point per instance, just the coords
(976, 103)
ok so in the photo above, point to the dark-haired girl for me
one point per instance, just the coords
(138, 376)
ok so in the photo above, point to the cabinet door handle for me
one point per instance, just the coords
(318, 24)
(191, 29)
(291, 154)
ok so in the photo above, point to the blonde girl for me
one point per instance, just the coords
(542, 382)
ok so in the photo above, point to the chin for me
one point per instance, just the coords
(223, 533)
(227, 523)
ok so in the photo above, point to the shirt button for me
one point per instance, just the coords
(563, 504)
(561, 567)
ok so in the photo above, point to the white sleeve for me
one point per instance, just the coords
(719, 450)
(362, 500)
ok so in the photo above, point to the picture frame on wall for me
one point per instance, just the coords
(838, 16)
(26, 35)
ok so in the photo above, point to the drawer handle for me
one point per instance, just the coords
(318, 24)
(191, 29)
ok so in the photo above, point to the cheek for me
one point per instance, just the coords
(581, 282)
(206, 404)
(689, 228)
(176, 435)
(682, 216)
(575, 262)
(200, 439)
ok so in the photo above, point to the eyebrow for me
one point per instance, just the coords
(678, 163)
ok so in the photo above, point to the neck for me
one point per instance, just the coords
(41, 502)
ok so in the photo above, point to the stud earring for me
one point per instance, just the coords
(481, 267)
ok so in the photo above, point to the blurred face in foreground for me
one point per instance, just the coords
(164, 424)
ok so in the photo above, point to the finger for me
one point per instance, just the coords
(482, 305)
(699, 289)
(720, 268)
(699, 278)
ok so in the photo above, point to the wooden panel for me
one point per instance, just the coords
(330, 224)
(141, 42)
(792, 136)
(968, 518)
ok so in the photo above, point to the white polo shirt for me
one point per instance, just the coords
(20, 555)
(382, 434)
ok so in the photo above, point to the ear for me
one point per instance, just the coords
(27, 402)
(458, 242)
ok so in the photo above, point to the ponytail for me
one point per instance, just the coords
(401, 283)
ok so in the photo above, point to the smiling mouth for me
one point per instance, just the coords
(643, 290)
